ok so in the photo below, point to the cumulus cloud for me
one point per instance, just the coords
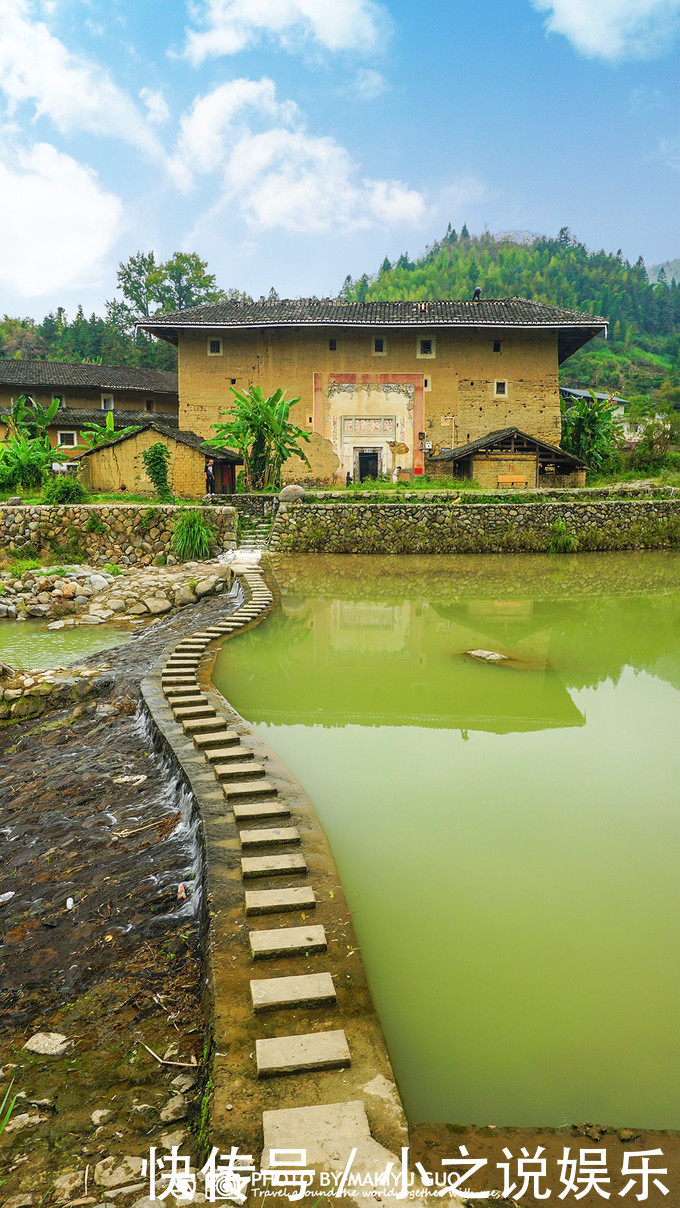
(368, 84)
(74, 93)
(62, 222)
(614, 29)
(228, 26)
(275, 172)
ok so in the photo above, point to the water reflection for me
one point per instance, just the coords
(507, 834)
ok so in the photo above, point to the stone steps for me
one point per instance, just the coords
(304, 990)
(238, 771)
(295, 1054)
(252, 811)
(240, 790)
(287, 941)
(279, 901)
(273, 866)
(220, 737)
(216, 754)
(269, 835)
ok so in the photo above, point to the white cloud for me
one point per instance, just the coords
(62, 222)
(214, 121)
(614, 29)
(74, 93)
(368, 84)
(156, 105)
(276, 173)
(228, 26)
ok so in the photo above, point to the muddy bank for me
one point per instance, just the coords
(100, 931)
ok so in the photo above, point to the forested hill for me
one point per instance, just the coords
(641, 355)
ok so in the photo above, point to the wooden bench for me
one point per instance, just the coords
(512, 480)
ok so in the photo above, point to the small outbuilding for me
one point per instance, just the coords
(118, 465)
(510, 459)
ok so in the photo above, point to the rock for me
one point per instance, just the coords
(24, 1120)
(175, 1109)
(116, 604)
(23, 1200)
(48, 1044)
(102, 1116)
(14, 501)
(68, 591)
(44, 597)
(487, 656)
(91, 620)
(67, 1184)
(57, 625)
(156, 606)
(137, 610)
(292, 492)
(97, 583)
(173, 1138)
(37, 610)
(183, 1082)
(116, 1172)
(104, 614)
(205, 586)
(184, 595)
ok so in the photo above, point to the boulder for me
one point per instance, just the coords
(14, 501)
(156, 606)
(116, 1172)
(184, 595)
(205, 586)
(291, 493)
(487, 656)
(48, 1044)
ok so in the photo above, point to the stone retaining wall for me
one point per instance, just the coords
(252, 505)
(504, 527)
(127, 534)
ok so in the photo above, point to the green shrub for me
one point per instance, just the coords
(561, 540)
(94, 524)
(193, 536)
(111, 568)
(63, 489)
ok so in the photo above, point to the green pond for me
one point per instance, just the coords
(507, 835)
(30, 644)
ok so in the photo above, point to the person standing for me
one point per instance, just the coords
(210, 478)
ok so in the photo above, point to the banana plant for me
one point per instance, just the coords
(93, 435)
(260, 430)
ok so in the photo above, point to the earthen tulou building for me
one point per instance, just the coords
(436, 387)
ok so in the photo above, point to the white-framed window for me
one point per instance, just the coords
(425, 347)
(379, 346)
(501, 389)
(69, 440)
(215, 347)
(107, 402)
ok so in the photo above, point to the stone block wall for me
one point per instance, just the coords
(450, 528)
(128, 534)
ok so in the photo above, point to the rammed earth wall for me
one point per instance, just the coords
(128, 534)
(457, 528)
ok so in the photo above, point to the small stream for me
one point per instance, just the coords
(30, 644)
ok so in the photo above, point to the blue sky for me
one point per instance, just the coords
(291, 142)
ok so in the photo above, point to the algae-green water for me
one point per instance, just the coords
(30, 644)
(507, 835)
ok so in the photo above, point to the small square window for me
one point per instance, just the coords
(233, 381)
(332, 345)
(425, 346)
(214, 347)
(496, 345)
(501, 387)
(67, 439)
(107, 402)
(378, 344)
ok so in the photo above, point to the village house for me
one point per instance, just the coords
(118, 464)
(84, 391)
(382, 385)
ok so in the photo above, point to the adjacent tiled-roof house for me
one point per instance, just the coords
(118, 463)
(380, 383)
(86, 390)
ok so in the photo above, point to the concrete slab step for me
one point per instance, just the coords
(238, 771)
(305, 990)
(193, 725)
(240, 790)
(287, 941)
(294, 1054)
(187, 711)
(215, 754)
(220, 738)
(251, 811)
(273, 866)
(279, 901)
(178, 691)
(267, 835)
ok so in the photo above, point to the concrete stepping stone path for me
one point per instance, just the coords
(273, 866)
(279, 901)
(250, 811)
(268, 835)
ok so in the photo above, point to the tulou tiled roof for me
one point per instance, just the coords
(311, 312)
(64, 374)
(499, 440)
(76, 417)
